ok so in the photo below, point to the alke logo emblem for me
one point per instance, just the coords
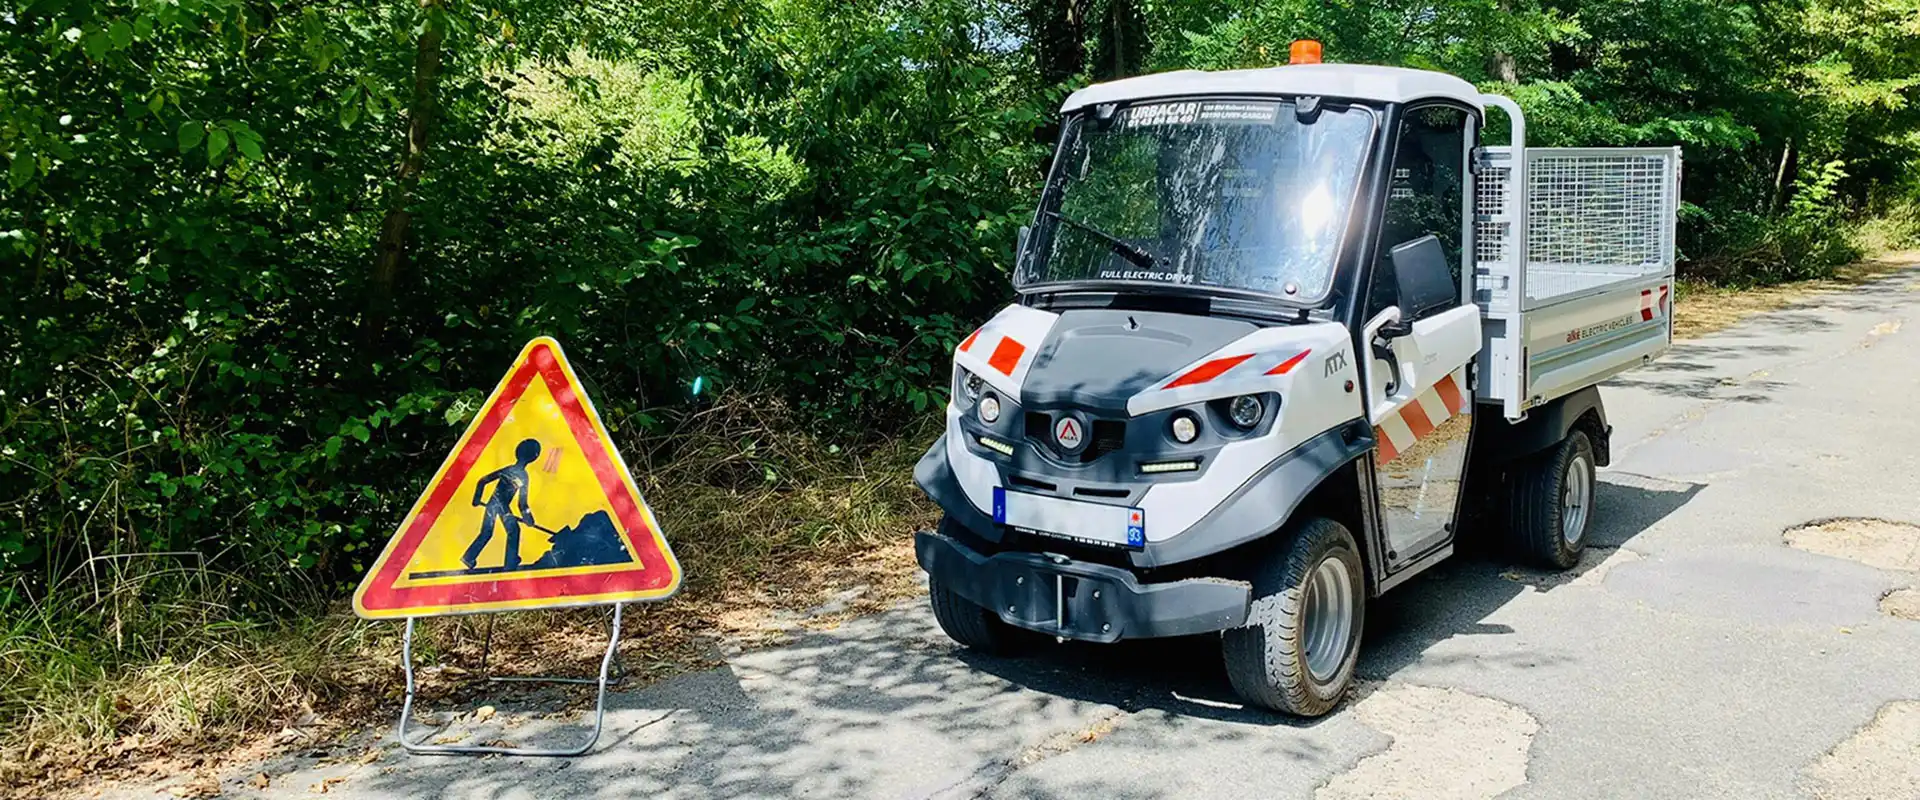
(1067, 432)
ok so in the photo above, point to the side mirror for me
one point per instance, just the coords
(1420, 274)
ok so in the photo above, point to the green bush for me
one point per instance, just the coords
(196, 191)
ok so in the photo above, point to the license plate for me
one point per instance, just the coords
(1071, 519)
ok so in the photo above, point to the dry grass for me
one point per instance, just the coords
(777, 532)
(1703, 308)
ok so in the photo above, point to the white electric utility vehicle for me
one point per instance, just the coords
(1277, 329)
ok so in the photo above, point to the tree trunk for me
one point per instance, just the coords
(1058, 31)
(1503, 68)
(1779, 196)
(1500, 62)
(1123, 42)
(390, 254)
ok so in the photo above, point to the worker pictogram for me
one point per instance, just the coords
(478, 539)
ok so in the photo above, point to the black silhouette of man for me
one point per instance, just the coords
(509, 484)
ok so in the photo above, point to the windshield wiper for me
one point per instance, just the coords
(1127, 250)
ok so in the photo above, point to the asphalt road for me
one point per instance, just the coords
(1694, 654)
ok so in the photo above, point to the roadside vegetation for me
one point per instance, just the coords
(260, 260)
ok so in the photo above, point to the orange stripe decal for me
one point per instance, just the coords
(1415, 416)
(1206, 372)
(1007, 355)
(1288, 365)
(1385, 452)
(968, 344)
(1450, 394)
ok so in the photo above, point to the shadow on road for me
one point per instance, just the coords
(887, 703)
(1185, 676)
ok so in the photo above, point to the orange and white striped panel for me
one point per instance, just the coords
(1416, 420)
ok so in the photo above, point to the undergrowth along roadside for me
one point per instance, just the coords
(135, 657)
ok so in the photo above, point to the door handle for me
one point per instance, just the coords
(1382, 348)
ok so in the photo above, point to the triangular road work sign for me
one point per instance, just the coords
(533, 509)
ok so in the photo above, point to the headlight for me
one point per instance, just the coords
(1246, 411)
(1185, 427)
(989, 409)
(971, 384)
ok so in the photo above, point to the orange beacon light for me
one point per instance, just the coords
(1304, 51)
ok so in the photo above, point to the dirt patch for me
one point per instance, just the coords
(1702, 309)
(1881, 761)
(1902, 604)
(1873, 542)
(1446, 744)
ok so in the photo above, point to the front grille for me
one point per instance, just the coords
(1040, 427)
(1109, 435)
(1106, 436)
(1030, 483)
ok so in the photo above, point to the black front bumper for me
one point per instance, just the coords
(1078, 600)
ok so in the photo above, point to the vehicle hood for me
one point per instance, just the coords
(1097, 359)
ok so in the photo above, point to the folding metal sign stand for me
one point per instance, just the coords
(599, 703)
(536, 444)
(619, 674)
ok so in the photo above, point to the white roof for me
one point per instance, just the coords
(1352, 81)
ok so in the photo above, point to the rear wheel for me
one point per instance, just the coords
(1302, 638)
(1552, 504)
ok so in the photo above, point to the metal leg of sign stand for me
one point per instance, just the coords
(619, 674)
(599, 705)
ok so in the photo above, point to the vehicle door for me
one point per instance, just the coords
(1419, 392)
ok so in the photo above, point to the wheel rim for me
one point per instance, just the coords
(1328, 618)
(1574, 499)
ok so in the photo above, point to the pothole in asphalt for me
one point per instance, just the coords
(1905, 604)
(1881, 761)
(1446, 744)
(1873, 542)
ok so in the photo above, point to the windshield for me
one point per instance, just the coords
(1233, 194)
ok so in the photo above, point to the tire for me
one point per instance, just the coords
(1551, 504)
(974, 627)
(1269, 660)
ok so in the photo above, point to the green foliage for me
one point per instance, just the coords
(805, 200)
(196, 191)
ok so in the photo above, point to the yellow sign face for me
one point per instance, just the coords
(533, 509)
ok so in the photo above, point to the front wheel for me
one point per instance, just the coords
(974, 627)
(1297, 652)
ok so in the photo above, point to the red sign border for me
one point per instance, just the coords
(658, 573)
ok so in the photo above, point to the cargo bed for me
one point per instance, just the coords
(1590, 294)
